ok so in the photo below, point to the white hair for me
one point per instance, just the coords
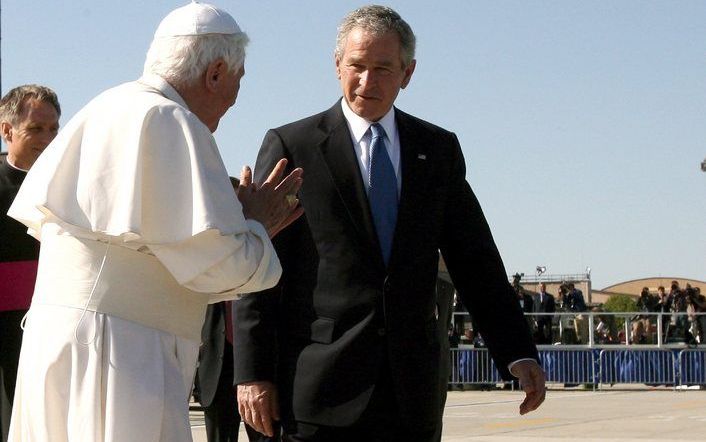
(181, 60)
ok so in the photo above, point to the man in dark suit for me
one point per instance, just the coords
(544, 303)
(347, 346)
(214, 388)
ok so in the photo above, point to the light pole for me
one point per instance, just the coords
(540, 271)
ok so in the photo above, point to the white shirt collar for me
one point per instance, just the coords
(359, 125)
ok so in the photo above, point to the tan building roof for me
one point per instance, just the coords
(634, 287)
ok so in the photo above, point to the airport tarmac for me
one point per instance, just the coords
(612, 414)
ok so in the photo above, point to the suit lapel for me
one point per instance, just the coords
(338, 153)
(412, 161)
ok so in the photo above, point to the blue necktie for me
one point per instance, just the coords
(382, 190)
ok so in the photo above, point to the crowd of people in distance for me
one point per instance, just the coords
(539, 308)
(680, 309)
(680, 322)
(680, 312)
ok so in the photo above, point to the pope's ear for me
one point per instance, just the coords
(214, 73)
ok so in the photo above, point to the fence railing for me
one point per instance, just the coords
(599, 348)
(637, 366)
(692, 367)
(574, 365)
(596, 329)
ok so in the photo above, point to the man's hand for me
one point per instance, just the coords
(273, 203)
(257, 404)
(532, 381)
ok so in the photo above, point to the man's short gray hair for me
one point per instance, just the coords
(12, 104)
(182, 60)
(377, 20)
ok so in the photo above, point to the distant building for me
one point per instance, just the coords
(634, 287)
(582, 281)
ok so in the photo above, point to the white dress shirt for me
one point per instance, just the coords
(361, 137)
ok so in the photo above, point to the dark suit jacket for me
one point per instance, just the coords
(544, 322)
(547, 304)
(527, 303)
(338, 314)
(211, 354)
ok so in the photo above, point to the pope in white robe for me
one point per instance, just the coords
(140, 229)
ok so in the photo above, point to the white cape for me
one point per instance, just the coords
(184, 194)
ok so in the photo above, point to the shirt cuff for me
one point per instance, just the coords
(513, 363)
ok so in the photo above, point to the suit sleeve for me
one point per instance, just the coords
(478, 272)
(256, 317)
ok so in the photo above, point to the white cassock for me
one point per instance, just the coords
(140, 230)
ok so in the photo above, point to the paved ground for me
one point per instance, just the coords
(568, 415)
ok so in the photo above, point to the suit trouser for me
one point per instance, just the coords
(544, 332)
(380, 422)
(221, 415)
(10, 344)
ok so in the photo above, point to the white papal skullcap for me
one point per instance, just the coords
(197, 18)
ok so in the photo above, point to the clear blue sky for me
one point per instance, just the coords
(582, 122)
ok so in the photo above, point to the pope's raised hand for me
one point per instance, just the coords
(273, 203)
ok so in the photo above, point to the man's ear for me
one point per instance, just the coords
(214, 73)
(338, 66)
(408, 71)
(6, 131)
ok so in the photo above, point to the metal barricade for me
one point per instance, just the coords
(692, 367)
(566, 365)
(581, 365)
(473, 366)
(637, 366)
(561, 365)
(619, 348)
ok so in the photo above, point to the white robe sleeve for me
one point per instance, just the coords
(223, 266)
